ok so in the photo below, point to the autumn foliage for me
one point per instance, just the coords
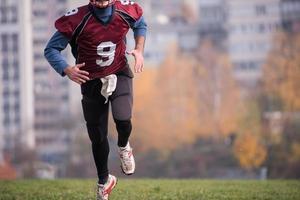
(249, 151)
(189, 97)
(185, 98)
(282, 71)
(7, 172)
(281, 82)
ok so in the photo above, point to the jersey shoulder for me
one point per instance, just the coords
(69, 22)
(130, 8)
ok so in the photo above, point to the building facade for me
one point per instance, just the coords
(35, 101)
(213, 21)
(16, 102)
(251, 26)
(290, 15)
(51, 92)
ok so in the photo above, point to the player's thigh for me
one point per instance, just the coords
(94, 110)
(122, 99)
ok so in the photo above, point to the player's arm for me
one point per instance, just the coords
(138, 53)
(56, 44)
(140, 29)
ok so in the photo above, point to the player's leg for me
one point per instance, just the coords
(121, 103)
(96, 116)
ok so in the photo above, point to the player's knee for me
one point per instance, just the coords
(123, 126)
(96, 133)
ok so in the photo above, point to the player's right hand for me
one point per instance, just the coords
(75, 74)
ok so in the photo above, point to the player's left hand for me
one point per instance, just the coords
(139, 60)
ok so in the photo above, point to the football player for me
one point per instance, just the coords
(96, 33)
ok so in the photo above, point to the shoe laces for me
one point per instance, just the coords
(126, 155)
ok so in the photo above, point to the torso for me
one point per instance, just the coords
(100, 46)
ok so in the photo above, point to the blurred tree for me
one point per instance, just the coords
(80, 161)
(249, 148)
(284, 158)
(179, 102)
(186, 97)
(164, 111)
(148, 123)
(194, 96)
(282, 71)
(218, 92)
(249, 151)
(7, 171)
(25, 159)
(281, 104)
(295, 152)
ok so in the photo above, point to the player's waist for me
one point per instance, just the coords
(99, 72)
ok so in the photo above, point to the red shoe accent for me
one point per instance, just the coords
(112, 185)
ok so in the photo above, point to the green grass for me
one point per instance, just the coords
(152, 189)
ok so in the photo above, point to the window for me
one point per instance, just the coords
(3, 15)
(247, 66)
(6, 121)
(39, 13)
(4, 41)
(260, 10)
(6, 107)
(14, 41)
(261, 28)
(8, 12)
(17, 107)
(14, 12)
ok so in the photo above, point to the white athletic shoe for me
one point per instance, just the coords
(103, 191)
(127, 159)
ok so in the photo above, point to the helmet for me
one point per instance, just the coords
(102, 3)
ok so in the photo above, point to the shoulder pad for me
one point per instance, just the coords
(68, 23)
(130, 8)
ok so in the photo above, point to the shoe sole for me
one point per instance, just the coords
(128, 174)
(113, 187)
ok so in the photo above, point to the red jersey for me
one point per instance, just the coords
(100, 46)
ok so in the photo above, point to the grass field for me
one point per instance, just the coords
(152, 189)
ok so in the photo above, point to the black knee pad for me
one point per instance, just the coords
(96, 133)
(124, 127)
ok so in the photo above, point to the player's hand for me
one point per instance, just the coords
(139, 60)
(75, 74)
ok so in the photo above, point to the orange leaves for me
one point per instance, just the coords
(249, 151)
(282, 71)
(147, 122)
(295, 154)
(7, 171)
(183, 99)
(219, 95)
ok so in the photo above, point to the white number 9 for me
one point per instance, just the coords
(107, 52)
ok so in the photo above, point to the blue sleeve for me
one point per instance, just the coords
(139, 27)
(56, 44)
